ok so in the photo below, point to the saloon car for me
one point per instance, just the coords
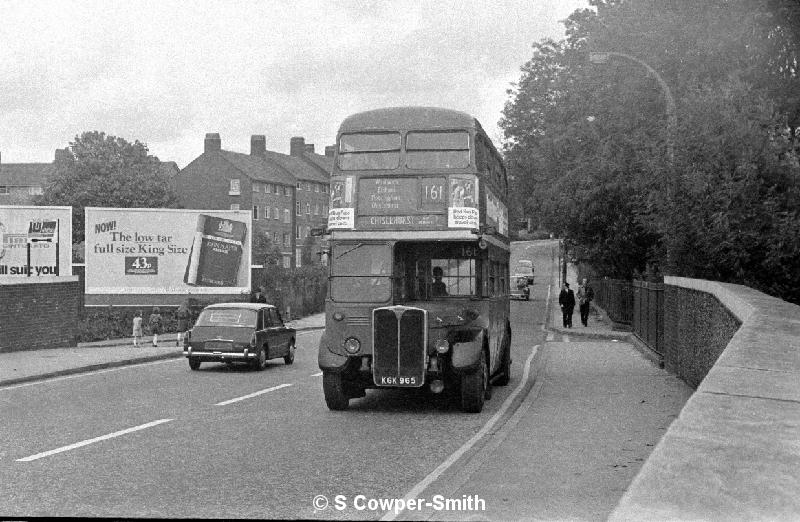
(251, 333)
(520, 288)
(524, 268)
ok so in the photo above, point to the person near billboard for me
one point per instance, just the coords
(137, 328)
(154, 322)
(183, 315)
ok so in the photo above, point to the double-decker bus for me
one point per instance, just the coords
(419, 252)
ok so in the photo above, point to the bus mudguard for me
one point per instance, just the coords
(467, 351)
(328, 359)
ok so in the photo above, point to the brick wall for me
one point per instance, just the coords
(697, 328)
(39, 314)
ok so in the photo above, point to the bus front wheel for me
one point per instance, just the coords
(333, 388)
(475, 388)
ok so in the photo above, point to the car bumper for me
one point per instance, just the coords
(220, 356)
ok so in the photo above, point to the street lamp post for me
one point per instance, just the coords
(601, 58)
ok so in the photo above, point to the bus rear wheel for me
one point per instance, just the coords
(475, 388)
(333, 388)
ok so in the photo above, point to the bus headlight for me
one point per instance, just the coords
(442, 346)
(352, 345)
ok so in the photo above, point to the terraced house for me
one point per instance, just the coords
(21, 182)
(288, 194)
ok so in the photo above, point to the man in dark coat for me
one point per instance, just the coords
(566, 299)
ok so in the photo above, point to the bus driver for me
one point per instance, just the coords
(438, 288)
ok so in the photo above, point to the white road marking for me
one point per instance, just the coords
(255, 394)
(92, 441)
(318, 374)
(566, 338)
(550, 336)
(88, 373)
(416, 491)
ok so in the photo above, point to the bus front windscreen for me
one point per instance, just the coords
(369, 151)
(361, 273)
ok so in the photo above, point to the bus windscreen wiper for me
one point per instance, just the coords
(350, 250)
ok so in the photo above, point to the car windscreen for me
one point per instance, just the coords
(227, 317)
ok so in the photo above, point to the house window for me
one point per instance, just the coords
(35, 191)
(316, 187)
(275, 238)
(234, 206)
(267, 188)
(285, 238)
(324, 210)
(297, 232)
(287, 191)
(298, 256)
(255, 212)
(299, 185)
(287, 261)
(297, 208)
(234, 190)
(277, 214)
(277, 190)
(3, 190)
(287, 218)
(316, 208)
(308, 187)
(256, 187)
(308, 208)
(266, 212)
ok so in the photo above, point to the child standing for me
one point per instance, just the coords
(155, 324)
(137, 328)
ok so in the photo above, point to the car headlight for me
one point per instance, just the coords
(352, 345)
(442, 346)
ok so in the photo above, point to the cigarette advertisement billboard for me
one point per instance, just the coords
(167, 251)
(35, 242)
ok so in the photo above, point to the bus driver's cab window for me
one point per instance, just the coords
(420, 276)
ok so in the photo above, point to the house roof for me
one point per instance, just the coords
(25, 174)
(301, 169)
(169, 168)
(258, 168)
(323, 162)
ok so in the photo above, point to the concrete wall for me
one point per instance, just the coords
(734, 451)
(39, 314)
(697, 328)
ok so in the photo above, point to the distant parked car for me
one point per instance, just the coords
(239, 332)
(520, 288)
(524, 268)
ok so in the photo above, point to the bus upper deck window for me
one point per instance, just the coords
(437, 150)
(369, 151)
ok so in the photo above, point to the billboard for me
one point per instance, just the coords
(35, 242)
(167, 251)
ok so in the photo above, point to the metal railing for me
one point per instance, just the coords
(615, 296)
(648, 314)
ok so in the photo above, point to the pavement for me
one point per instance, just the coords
(32, 365)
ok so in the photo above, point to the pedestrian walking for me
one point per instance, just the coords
(566, 299)
(137, 328)
(154, 322)
(183, 315)
(585, 295)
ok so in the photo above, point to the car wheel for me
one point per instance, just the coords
(475, 388)
(194, 363)
(289, 357)
(260, 361)
(333, 388)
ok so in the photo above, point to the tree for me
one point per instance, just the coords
(586, 145)
(106, 171)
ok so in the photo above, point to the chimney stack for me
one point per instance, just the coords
(213, 142)
(309, 148)
(258, 145)
(297, 146)
(62, 154)
(330, 150)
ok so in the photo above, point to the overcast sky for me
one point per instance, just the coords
(166, 72)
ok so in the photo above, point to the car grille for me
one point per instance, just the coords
(400, 338)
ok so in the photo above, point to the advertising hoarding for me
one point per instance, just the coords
(35, 242)
(167, 251)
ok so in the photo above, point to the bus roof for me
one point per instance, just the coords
(409, 118)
